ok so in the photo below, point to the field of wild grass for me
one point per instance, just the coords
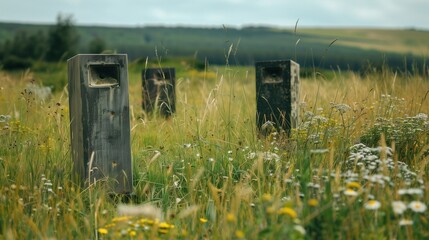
(355, 168)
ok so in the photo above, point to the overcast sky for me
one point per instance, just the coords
(281, 13)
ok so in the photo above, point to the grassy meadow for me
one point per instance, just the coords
(355, 168)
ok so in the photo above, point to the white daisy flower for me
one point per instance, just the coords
(415, 191)
(410, 191)
(405, 222)
(372, 205)
(350, 192)
(399, 207)
(417, 206)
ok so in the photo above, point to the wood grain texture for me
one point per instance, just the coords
(99, 120)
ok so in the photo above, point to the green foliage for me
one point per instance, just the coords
(97, 45)
(28, 46)
(15, 63)
(22, 50)
(62, 39)
(25, 45)
(409, 135)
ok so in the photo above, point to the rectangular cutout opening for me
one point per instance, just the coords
(103, 75)
(272, 75)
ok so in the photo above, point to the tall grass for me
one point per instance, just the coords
(209, 174)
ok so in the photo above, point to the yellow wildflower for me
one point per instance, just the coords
(266, 197)
(103, 231)
(287, 211)
(353, 185)
(121, 219)
(132, 233)
(165, 225)
(110, 225)
(231, 217)
(270, 210)
(203, 220)
(145, 221)
(313, 202)
(239, 234)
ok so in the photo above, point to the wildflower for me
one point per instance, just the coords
(372, 205)
(103, 231)
(398, 207)
(145, 221)
(239, 234)
(287, 211)
(132, 233)
(121, 219)
(230, 217)
(420, 116)
(350, 192)
(203, 220)
(405, 222)
(299, 229)
(410, 191)
(342, 108)
(165, 225)
(187, 145)
(353, 185)
(313, 202)
(266, 197)
(251, 155)
(313, 185)
(417, 206)
(110, 225)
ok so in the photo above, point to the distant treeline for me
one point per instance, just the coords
(24, 44)
(213, 45)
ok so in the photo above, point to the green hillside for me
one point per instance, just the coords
(325, 48)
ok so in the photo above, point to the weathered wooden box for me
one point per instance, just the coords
(158, 87)
(99, 120)
(277, 95)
